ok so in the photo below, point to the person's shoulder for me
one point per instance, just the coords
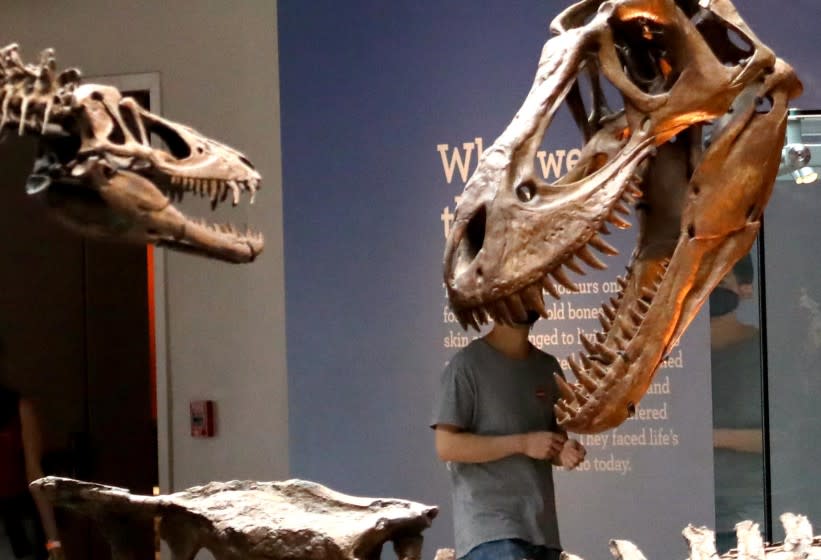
(547, 359)
(466, 357)
(545, 355)
(469, 351)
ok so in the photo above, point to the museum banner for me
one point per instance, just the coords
(385, 110)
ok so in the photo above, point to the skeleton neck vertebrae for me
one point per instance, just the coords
(693, 152)
(101, 176)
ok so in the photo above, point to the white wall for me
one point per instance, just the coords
(225, 323)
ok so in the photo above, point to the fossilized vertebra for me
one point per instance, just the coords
(799, 544)
(99, 173)
(244, 520)
(695, 151)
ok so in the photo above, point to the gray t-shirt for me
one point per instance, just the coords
(487, 393)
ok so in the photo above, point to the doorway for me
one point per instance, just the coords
(77, 320)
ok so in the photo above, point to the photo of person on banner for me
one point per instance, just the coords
(737, 397)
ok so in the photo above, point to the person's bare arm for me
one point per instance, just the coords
(748, 440)
(458, 446)
(571, 455)
(33, 449)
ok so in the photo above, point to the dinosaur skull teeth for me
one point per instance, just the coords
(562, 278)
(514, 308)
(216, 190)
(608, 355)
(617, 220)
(235, 188)
(602, 246)
(227, 228)
(588, 257)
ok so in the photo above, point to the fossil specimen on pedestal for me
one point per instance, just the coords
(798, 544)
(244, 520)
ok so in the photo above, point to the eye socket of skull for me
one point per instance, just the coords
(648, 51)
(125, 117)
(689, 7)
(116, 135)
(730, 46)
(176, 144)
(130, 119)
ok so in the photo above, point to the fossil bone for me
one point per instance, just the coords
(99, 174)
(798, 544)
(694, 152)
(247, 520)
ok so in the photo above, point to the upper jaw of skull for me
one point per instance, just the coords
(118, 128)
(108, 180)
(108, 203)
(685, 92)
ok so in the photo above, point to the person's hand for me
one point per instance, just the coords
(56, 554)
(543, 445)
(572, 454)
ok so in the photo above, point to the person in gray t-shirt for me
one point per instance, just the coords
(496, 430)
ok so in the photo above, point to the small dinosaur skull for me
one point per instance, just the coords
(102, 177)
(694, 150)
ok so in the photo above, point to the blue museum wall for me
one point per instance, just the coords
(792, 33)
(370, 93)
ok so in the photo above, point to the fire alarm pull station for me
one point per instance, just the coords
(202, 419)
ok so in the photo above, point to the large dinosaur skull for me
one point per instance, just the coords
(100, 173)
(695, 149)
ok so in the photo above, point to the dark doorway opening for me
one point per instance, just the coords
(76, 319)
